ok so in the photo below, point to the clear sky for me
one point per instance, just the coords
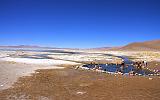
(78, 23)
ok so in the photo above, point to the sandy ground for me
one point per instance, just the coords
(70, 84)
(138, 55)
(154, 65)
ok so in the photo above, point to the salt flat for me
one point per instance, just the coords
(11, 71)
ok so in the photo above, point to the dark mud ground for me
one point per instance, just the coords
(71, 84)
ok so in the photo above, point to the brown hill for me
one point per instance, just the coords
(139, 46)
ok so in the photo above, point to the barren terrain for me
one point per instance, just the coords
(50, 74)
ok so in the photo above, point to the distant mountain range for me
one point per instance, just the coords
(20, 46)
(147, 45)
(24, 46)
(153, 45)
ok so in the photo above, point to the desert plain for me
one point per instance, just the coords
(51, 74)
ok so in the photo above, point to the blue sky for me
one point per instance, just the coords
(78, 23)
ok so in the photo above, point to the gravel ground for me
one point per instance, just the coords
(70, 84)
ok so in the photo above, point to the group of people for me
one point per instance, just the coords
(140, 65)
(137, 66)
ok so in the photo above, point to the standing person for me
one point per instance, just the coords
(145, 63)
(122, 66)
